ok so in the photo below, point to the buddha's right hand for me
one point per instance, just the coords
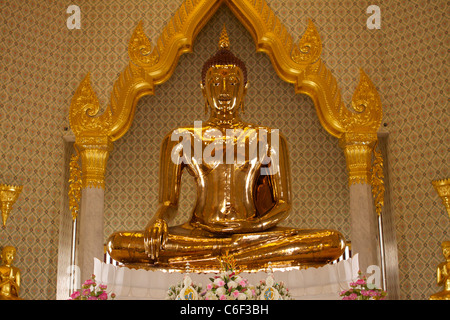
(155, 237)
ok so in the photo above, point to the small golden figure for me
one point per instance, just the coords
(9, 275)
(443, 274)
(242, 194)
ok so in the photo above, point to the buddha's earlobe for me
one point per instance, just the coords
(204, 96)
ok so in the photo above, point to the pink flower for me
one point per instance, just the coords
(103, 286)
(113, 295)
(75, 295)
(365, 293)
(374, 293)
(221, 283)
(360, 282)
(209, 286)
(243, 282)
(235, 293)
(223, 297)
(353, 296)
(86, 292)
(89, 282)
(103, 296)
(92, 298)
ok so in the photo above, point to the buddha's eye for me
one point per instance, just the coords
(233, 81)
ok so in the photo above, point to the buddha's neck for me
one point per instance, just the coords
(218, 118)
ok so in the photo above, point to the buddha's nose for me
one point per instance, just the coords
(224, 85)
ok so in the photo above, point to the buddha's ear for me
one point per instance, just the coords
(245, 88)
(203, 89)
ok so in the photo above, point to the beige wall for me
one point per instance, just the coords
(42, 63)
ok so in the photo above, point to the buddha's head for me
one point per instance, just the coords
(224, 79)
(446, 249)
(8, 254)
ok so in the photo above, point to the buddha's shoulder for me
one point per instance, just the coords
(179, 131)
(269, 130)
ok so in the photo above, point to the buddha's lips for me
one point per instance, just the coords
(224, 98)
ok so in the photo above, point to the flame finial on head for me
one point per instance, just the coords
(224, 56)
(224, 41)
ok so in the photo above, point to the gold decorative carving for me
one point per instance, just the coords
(140, 48)
(442, 187)
(228, 263)
(75, 185)
(366, 112)
(94, 152)
(8, 196)
(358, 149)
(84, 112)
(298, 64)
(309, 47)
(378, 180)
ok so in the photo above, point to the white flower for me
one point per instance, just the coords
(232, 284)
(211, 296)
(219, 282)
(242, 296)
(220, 291)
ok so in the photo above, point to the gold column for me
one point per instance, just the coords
(358, 150)
(94, 153)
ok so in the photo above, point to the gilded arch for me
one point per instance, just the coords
(299, 63)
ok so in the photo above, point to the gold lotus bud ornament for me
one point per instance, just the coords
(8, 196)
(442, 187)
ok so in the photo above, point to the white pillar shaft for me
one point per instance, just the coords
(90, 243)
(364, 226)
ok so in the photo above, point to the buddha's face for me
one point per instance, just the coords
(8, 256)
(224, 88)
(446, 250)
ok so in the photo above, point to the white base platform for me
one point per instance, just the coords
(322, 283)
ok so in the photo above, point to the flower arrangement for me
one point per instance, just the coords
(90, 291)
(229, 286)
(361, 290)
(270, 290)
(184, 290)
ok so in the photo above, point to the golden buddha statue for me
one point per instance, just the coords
(9, 275)
(443, 274)
(242, 192)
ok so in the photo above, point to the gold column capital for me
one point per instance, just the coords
(94, 152)
(358, 151)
